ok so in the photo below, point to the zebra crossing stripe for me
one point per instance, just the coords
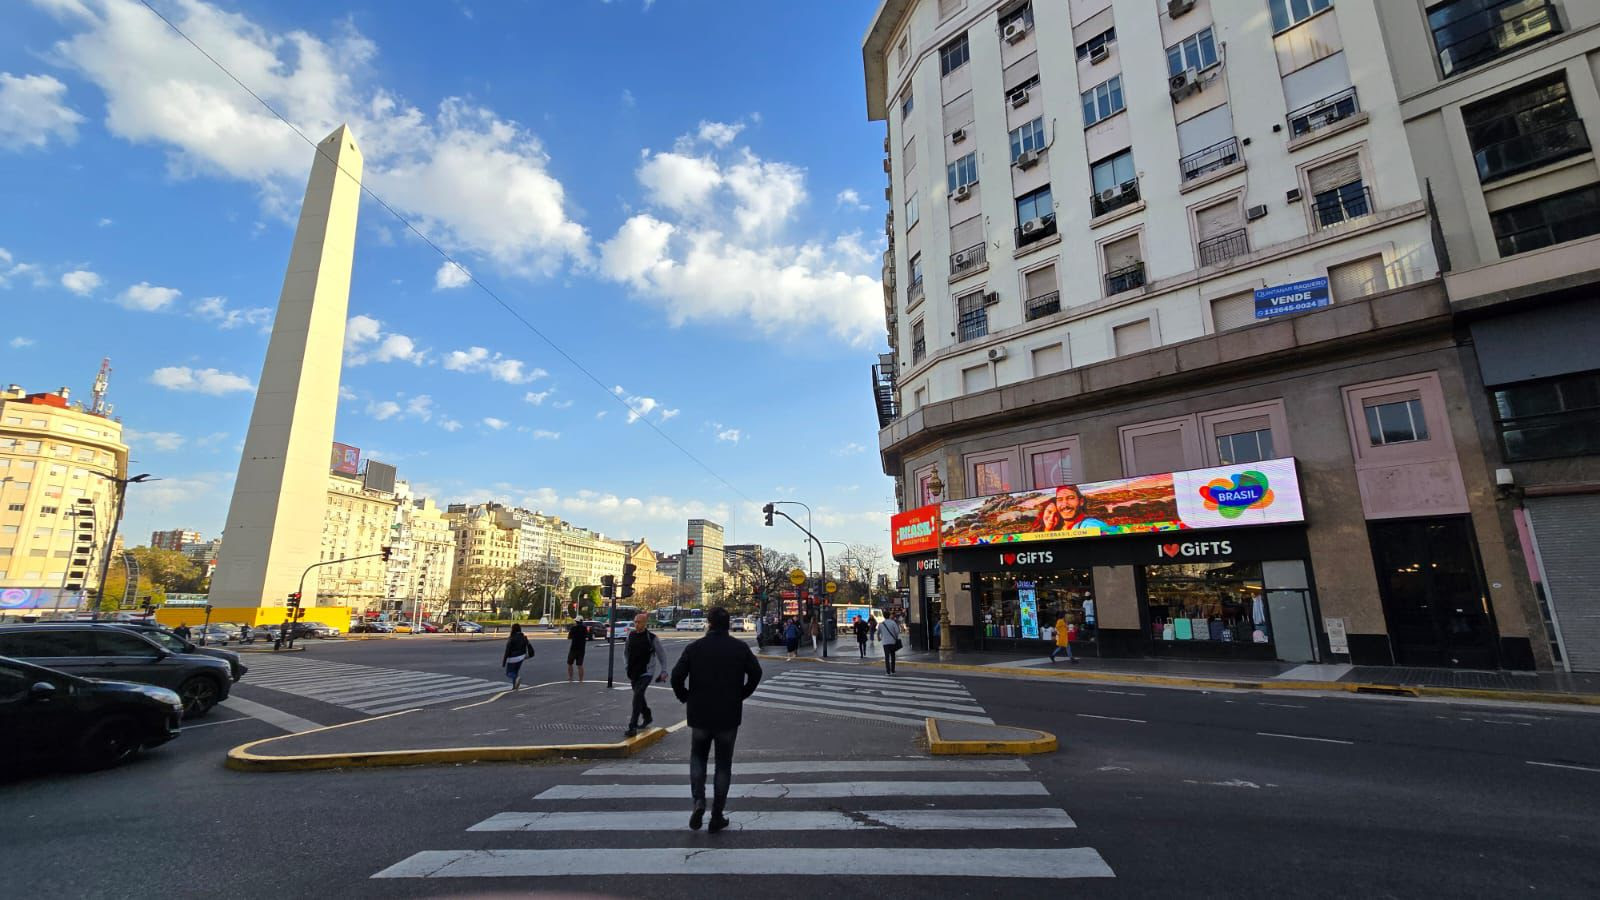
(801, 790)
(870, 702)
(880, 717)
(908, 689)
(426, 699)
(767, 820)
(866, 692)
(1050, 864)
(886, 680)
(367, 690)
(798, 766)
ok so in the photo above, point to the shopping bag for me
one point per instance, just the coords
(1183, 630)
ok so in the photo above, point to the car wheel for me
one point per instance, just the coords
(108, 743)
(199, 694)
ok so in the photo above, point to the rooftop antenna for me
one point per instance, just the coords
(101, 382)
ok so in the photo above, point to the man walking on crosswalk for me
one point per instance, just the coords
(714, 676)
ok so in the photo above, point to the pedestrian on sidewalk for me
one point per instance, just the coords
(872, 628)
(1063, 639)
(641, 653)
(889, 634)
(577, 645)
(518, 649)
(816, 631)
(791, 638)
(861, 636)
(714, 676)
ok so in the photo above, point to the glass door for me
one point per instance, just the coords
(1433, 593)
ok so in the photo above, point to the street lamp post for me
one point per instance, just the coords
(947, 641)
(111, 539)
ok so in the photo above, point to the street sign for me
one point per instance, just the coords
(797, 577)
(831, 588)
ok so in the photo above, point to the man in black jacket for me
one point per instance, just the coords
(642, 649)
(714, 676)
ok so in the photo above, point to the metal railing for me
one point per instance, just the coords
(1503, 29)
(883, 392)
(1124, 194)
(919, 350)
(974, 323)
(915, 292)
(1531, 149)
(1342, 205)
(1324, 112)
(1025, 238)
(1567, 217)
(968, 259)
(1042, 305)
(1125, 279)
(1217, 156)
(1223, 247)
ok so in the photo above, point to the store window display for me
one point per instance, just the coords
(1025, 606)
(1221, 602)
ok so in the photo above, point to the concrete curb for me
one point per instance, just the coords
(1045, 742)
(1392, 690)
(241, 758)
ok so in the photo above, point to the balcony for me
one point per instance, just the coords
(968, 260)
(1223, 247)
(919, 350)
(1342, 205)
(1323, 113)
(1042, 305)
(914, 292)
(1531, 150)
(883, 390)
(1034, 230)
(1499, 27)
(1125, 279)
(1217, 156)
(1113, 198)
(973, 323)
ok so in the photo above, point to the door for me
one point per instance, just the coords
(1289, 611)
(1433, 593)
(129, 657)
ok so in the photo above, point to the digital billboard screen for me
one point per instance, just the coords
(346, 459)
(915, 531)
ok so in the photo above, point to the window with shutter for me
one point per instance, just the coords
(958, 113)
(967, 234)
(1361, 278)
(1335, 174)
(1048, 359)
(1218, 219)
(1122, 253)
(1021, 72)
(1040, 281)
(975, 379)
(1160, 451)
(1237, 311)
(1208, 129)
(1134, 337)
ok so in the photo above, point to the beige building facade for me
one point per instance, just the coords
(486, 552)
(357, 522)
(422, 563)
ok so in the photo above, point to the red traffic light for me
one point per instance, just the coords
(690, 551)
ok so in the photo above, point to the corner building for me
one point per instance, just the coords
(1139, 246)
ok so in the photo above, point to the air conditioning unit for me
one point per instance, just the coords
(957, 136)
(1099, 54)
(1027, 159)
(1255, 212)
(1019, 99)
(1016, 31)
(1292, 195)
(991, 298)
(962, 259)
(1033, 226)
(961, 193)
(997, 353)
(1183, 84)
(1111, 193)
(1176, 8)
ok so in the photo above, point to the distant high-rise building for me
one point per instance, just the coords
(704, 567)
(174, 539)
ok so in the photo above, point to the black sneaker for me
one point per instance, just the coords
(647, 721)
(718, 822)
(695, 817)
(631, 732)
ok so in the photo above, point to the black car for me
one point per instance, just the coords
(47, 716)
(176, 644)
(597, 630)
(104, 650)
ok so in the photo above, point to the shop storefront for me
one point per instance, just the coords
(1021, 610)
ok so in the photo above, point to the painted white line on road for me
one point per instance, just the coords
(917, 721)
(269, 715)
(1056, 864)
(820, 820)
(1111, 718)
(1283, 705)
(674, 729)
(1301, 737)
(429, 699)
(801, 790)
(956, 693)
(1037, 661)
(1123, 693)
(1551, 765)
(830, 766)
(927, 707)
(218, 722)
(881, 680)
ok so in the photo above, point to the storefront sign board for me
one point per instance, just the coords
(1337, 641)
(1135, 550)
(1028, 605)
(915, 531)
(1299, 296)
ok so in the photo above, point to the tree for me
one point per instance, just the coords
(763, 576)
(169, 569)
(481, 586)
(532, 584)
(657, 596)
(586, 600)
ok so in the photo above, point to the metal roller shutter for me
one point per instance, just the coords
(1563, 527)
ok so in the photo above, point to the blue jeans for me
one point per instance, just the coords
(1057, 649)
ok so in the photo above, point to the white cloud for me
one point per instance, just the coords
(10, 269)
(420, 407)
(538, 398)
(496, 366)
(104, 222)
(200, 381)
(451, 275)
(668, 414)
(20, 342)
(146, 297)
(216, 309)
(471, 179)
(539, 434)
(600, 415)
(731, 435)
(164, 441)
(561, 404)
(32, 112)
(719, 134)
(639, 407)
(81, 282)
(450, 425)
(384, 410)
(850, 449)
(496, 424)
(365, 341)
(849, 198)
(679, 182)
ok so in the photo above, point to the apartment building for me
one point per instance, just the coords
(358, 522)
(174, 539)
(1500, 100)
(1169, 266)
(486, 552)
(423, 551)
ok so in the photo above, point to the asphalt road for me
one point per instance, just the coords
(1175, 792)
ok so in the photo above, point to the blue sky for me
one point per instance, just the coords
(680, 193)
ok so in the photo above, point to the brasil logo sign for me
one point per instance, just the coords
(1231, 496)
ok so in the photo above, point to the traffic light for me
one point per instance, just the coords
(768, 510)
(386, 552)
(627, 580)
(608, 586)
(294, 600)
(690, 551)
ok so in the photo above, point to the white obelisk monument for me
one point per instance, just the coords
(274, 528)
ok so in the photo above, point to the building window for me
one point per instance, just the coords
(1551, 418)
(1051, 464)
(1395, 421)
(1360, 278)
(1468, 33)
(1102, 101)
(1134, 337)
(1087, 48)
(1523, 129)
(1244, 447)
(972, 316)
(919, 342)
(906, 103)
(1022, 15)
(1029, 137)
(1548, 220)
(962, 172)
(1036, 216)
(1338, 193)
(1289, 12)
(953, 55)
(913, 212)
(948, 8)
(914, 291)
(1042, 296)
(1198, 52)
(1115, 182)
(903, 51)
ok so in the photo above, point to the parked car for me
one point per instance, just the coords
(369, 628)
(742, 624)
(691, 625)
(464, 627)
(176, 644)
(313, 630)
(215, 633)
(47, 715)
(597, 630)
(113, 652)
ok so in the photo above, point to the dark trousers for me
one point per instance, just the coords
(641, 709)
(862, 643)
(888, 658)
(700, 741)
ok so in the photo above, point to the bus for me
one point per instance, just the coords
(619, 628)
(670, 616)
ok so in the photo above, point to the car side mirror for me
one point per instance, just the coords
(41, 690)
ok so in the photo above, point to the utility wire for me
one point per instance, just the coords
(600, 383)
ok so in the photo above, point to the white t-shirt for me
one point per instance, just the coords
(888, 631)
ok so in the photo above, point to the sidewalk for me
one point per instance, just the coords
(1540, 687)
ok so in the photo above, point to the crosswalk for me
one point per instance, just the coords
(840, 691)
(916, 817)
(369, 689)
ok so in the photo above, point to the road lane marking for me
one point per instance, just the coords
(1055, 864)
(931, 707)
(1283, 705)
(829, 766)
(768, 820)
(801, 790)
(1551, 765)
(218, 722)
(1111, 718)
(1124, 693)
(1301, 737)
(267, 714)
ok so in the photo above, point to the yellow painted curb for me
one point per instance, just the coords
(939, 746)
(242, 759)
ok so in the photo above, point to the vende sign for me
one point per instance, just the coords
(1283, 299)
(915, 531)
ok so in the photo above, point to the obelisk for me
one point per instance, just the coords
(274, 526)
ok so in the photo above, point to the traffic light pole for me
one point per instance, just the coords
(822, 557)
(285, 635)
